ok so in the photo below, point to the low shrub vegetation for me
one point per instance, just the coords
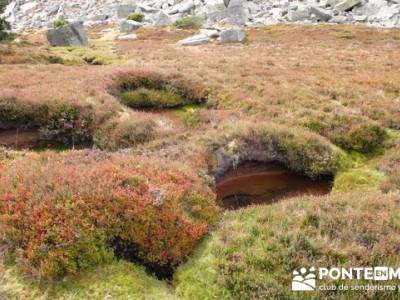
(390, 165)
(60, 22)
(3, 4)
(4, 27)
(153, 90)
(61, 213)
(151, 98)
(69, 124)
(298, 149)
(191, 22)
(58, 123)
(253, 254)
(138, 17)
(119, 133)
(350, 133)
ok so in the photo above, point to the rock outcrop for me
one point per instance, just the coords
(34, 14)
(69, 35)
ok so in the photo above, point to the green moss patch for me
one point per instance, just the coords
(358, 179)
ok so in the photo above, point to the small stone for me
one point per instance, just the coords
(232, 36)
(212, 33)
(194, 40)
(129, 25)
(359, 18)
(158, 196)
(128, 37)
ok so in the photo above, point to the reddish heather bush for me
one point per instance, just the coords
(62, 211)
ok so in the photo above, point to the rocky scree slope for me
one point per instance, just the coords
(37, 14)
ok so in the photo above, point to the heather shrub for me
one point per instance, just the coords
(62, 212)
(152, 90)
(351, 133)
(4, 27)
(191, 22)
(138, 17)
(118, 133)
(298, 149)
(58, 123)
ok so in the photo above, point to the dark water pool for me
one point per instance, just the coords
(254, 183)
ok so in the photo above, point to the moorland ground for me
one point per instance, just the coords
(319, 99)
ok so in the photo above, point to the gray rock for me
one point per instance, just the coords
(322, 14)
(185, 6)
(387, 12)
(332, 3)
(338, 20)
(162, 19)
(232, 36)
(236, 15)
(212, 33)
(301, 14)
(194, 40)
(124, 10)
(96, 18)
(146, 8)
(347, 5)
(129, 25)
(360, 18)
(70, 35)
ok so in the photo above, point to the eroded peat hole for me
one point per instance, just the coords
(253, 183)
(147, 91)
(19, 138)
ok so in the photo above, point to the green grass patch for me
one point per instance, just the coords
(358, 179)
(138, 17)
(189, 115)
(191, 22)
(254, 252)
(121, 280)
(152, 98)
